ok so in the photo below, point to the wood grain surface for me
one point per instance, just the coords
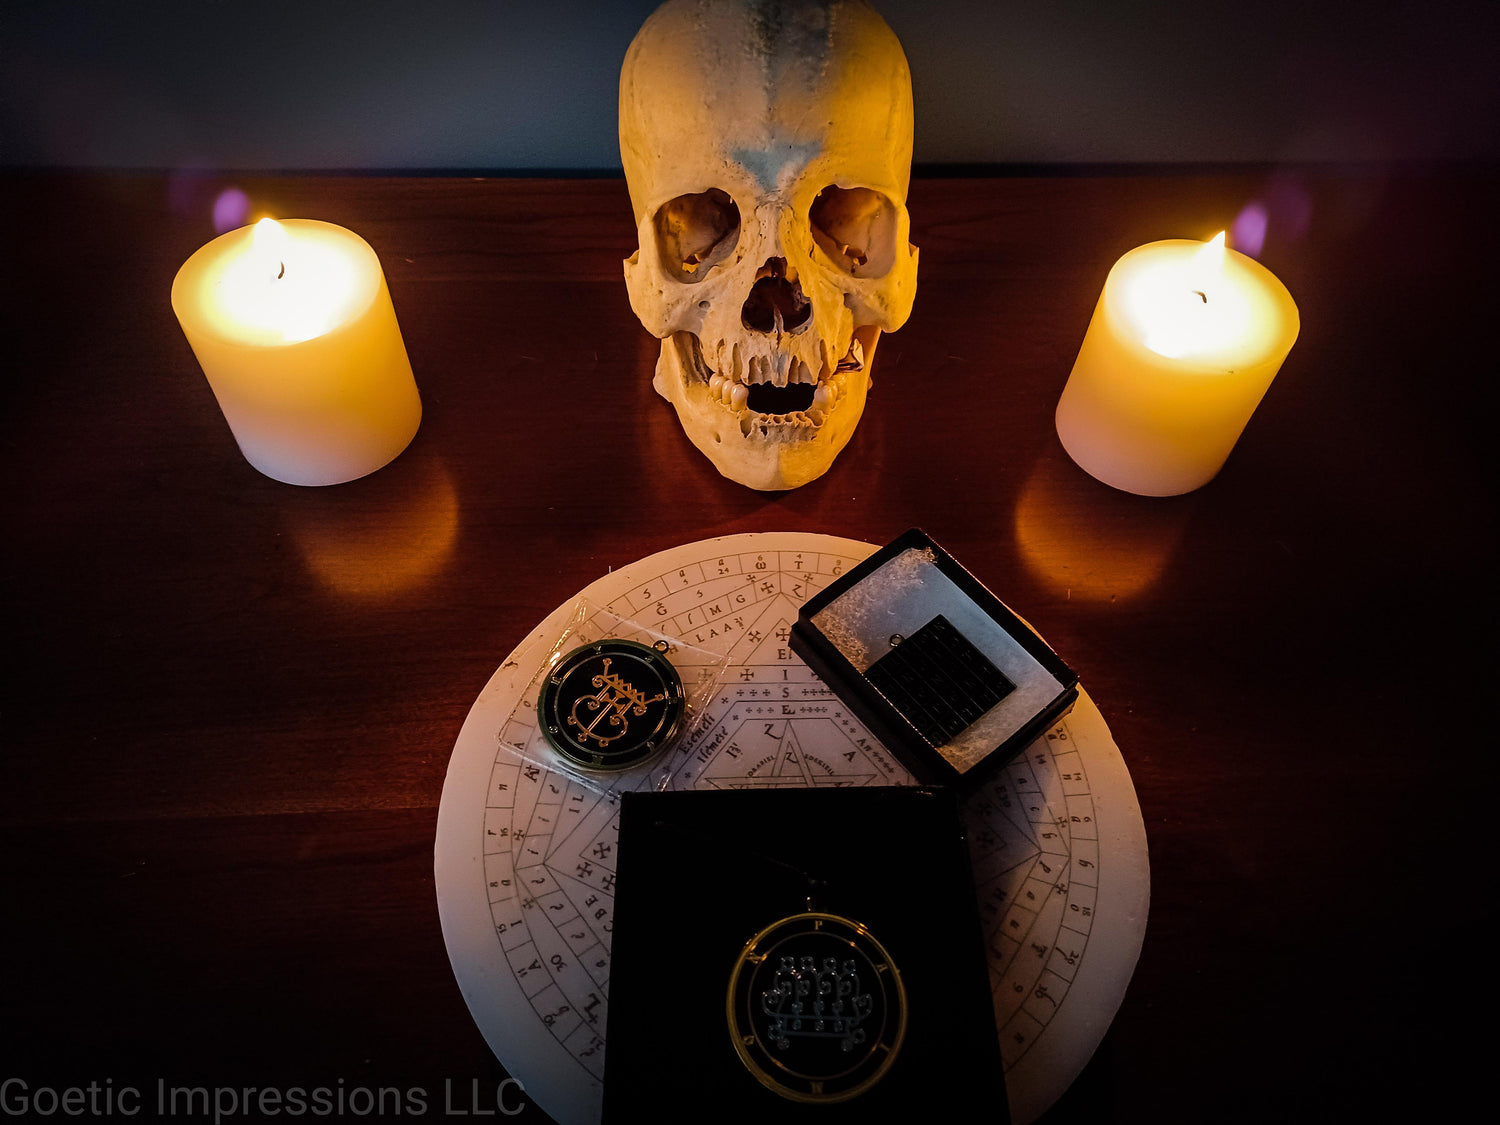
(228, 703)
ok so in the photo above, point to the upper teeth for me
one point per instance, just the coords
(734, 393)
(731, 384)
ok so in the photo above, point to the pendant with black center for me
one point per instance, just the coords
(612, 704)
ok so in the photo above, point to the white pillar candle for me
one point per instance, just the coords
(293, 326)
(1185, 340)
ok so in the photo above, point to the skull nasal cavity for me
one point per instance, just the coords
(775, 304)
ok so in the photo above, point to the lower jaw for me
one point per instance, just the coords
(773, 459)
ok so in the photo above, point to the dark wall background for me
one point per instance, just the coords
(460, 84)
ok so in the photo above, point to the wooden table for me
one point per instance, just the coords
(228, 703)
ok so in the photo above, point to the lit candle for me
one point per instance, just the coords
(294, 328)
(1185, 340)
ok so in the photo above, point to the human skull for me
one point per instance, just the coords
(767, 149)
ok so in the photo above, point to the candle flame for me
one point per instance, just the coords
(1187, 313)
(1208, 262)
(269, 243)
(290, 283)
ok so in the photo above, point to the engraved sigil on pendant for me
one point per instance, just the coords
(816, 1008)
(611, 706)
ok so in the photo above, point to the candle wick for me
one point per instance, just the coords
(282, 274)
(1197, 291)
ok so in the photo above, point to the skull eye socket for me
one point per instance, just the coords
(856, 228)
(696, 232)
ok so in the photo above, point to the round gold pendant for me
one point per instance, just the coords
(611, 704)
(816, 1008)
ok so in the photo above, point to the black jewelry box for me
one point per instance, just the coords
(797, 954)
(937, 667)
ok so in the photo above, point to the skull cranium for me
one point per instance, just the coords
(767, 148)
